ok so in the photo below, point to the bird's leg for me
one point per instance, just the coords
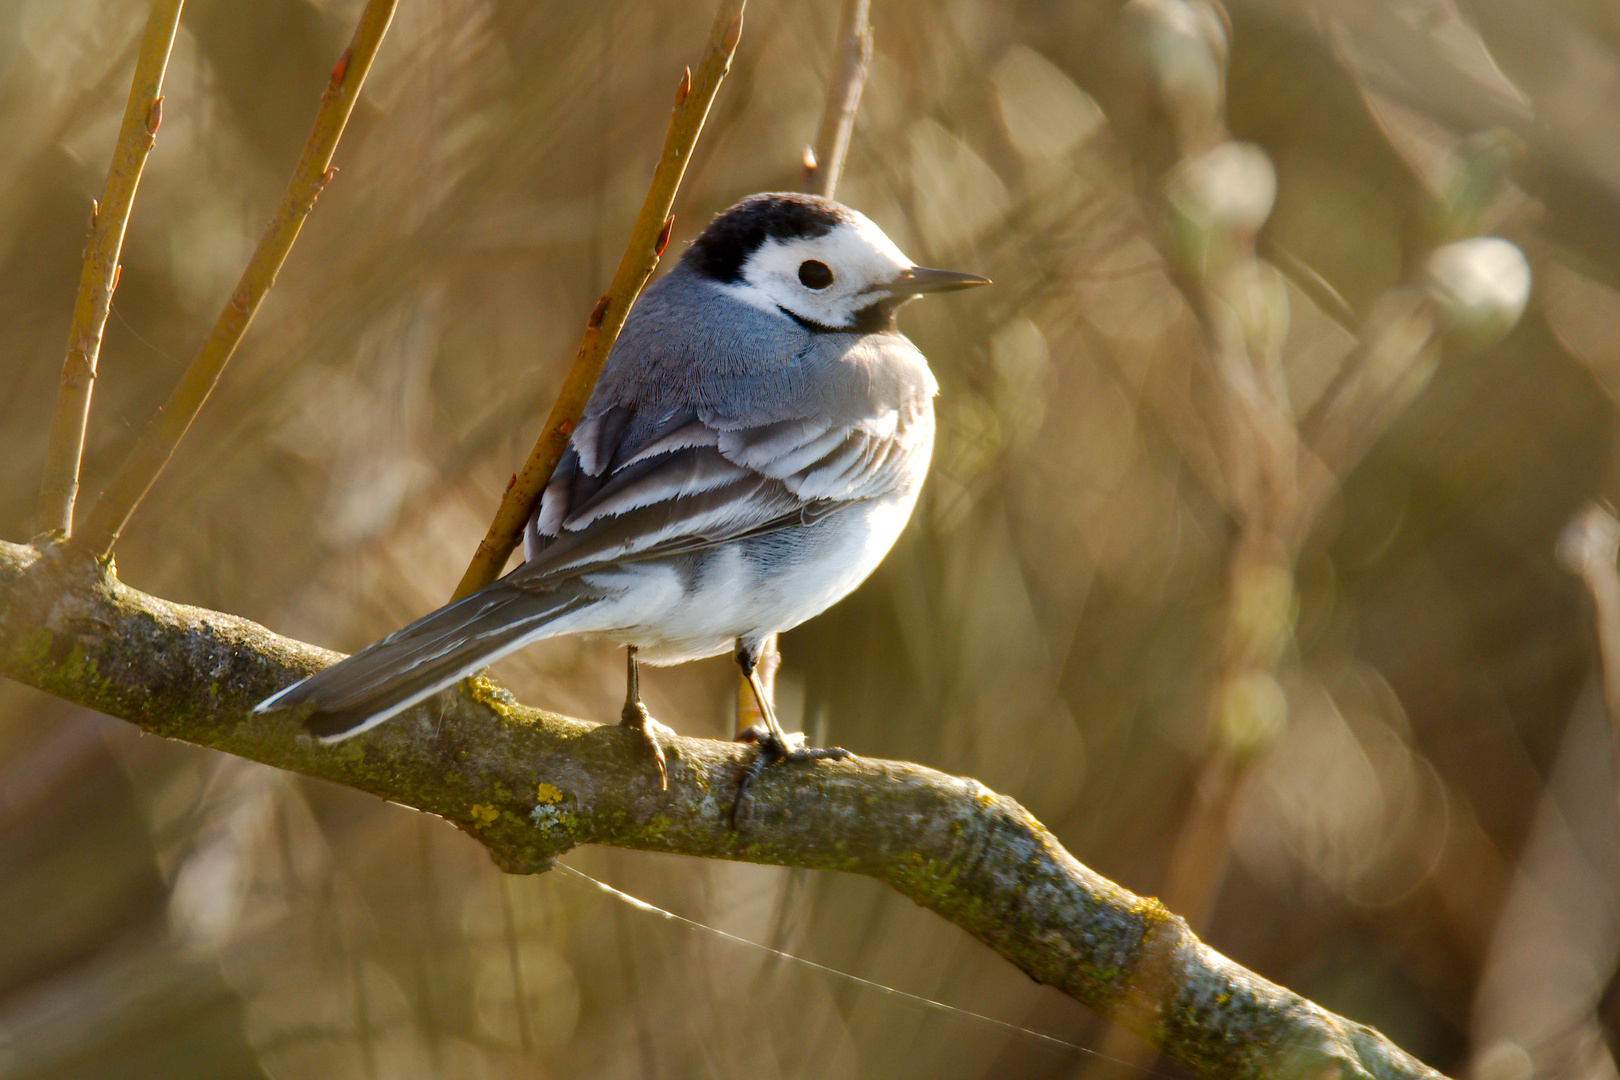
(774, 743)
(635, 715)
(782, 740)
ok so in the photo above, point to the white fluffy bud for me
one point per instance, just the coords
(1219, 200)
(1480, 286)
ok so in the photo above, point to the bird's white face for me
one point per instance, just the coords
(827, 279)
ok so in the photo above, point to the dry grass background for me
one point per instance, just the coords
(1430, 846)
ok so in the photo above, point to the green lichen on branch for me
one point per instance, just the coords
(530, 785)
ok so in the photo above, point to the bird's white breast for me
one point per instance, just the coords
(762, 585)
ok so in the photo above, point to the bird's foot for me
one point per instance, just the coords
(636, 717)
(773, 750)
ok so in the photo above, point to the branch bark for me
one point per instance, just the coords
(530, 785)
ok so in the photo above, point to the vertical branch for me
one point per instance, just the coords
(1277, 472)
(1588, 548)
(59, 482)
(823, 168)
(824, 164)
(312, 173)
(1216, 200)
(648, 238)
(1467, 296)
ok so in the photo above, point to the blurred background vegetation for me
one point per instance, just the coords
(1424, 840)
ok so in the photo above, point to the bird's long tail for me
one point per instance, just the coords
(391, 675)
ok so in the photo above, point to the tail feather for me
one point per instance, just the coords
(389, 676)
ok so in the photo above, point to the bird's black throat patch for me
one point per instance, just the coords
(875, 318)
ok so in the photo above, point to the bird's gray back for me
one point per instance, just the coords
(716, 421)
(687, 345)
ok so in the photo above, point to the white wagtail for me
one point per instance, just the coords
(752, 449)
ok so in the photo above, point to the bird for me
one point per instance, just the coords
(752, 449)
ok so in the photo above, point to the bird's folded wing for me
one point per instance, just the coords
(630, 491)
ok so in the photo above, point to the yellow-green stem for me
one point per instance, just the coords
(647, 240)
(852, 55)
(314, 170)
(59, 482)
(852, 52)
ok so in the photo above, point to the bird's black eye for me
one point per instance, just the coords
(814, 275)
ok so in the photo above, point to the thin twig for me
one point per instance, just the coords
(824, 165)
(59, 481)
(313, 172)
(1397, 352)
(1588, 549)
(648, 238)
(1305, 277)
(1212, 216)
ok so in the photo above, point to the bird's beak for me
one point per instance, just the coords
(922, 279)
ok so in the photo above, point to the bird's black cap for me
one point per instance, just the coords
(735, 234)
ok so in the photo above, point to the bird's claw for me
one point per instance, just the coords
(636, 717)
(773, 750)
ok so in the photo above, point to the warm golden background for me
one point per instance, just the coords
(1428, 846)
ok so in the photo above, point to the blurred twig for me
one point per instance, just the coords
(531, 786)
(312, 173)
(59, 483)
(1216, 199)
(1307, 280)
(1397, 352)
(1468, 295)
(824, 164)
(1276, 473)
(648, 238)
(1588, 548)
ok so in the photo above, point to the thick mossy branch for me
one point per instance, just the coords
(531, 785)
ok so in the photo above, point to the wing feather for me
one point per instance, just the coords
(687, 480)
